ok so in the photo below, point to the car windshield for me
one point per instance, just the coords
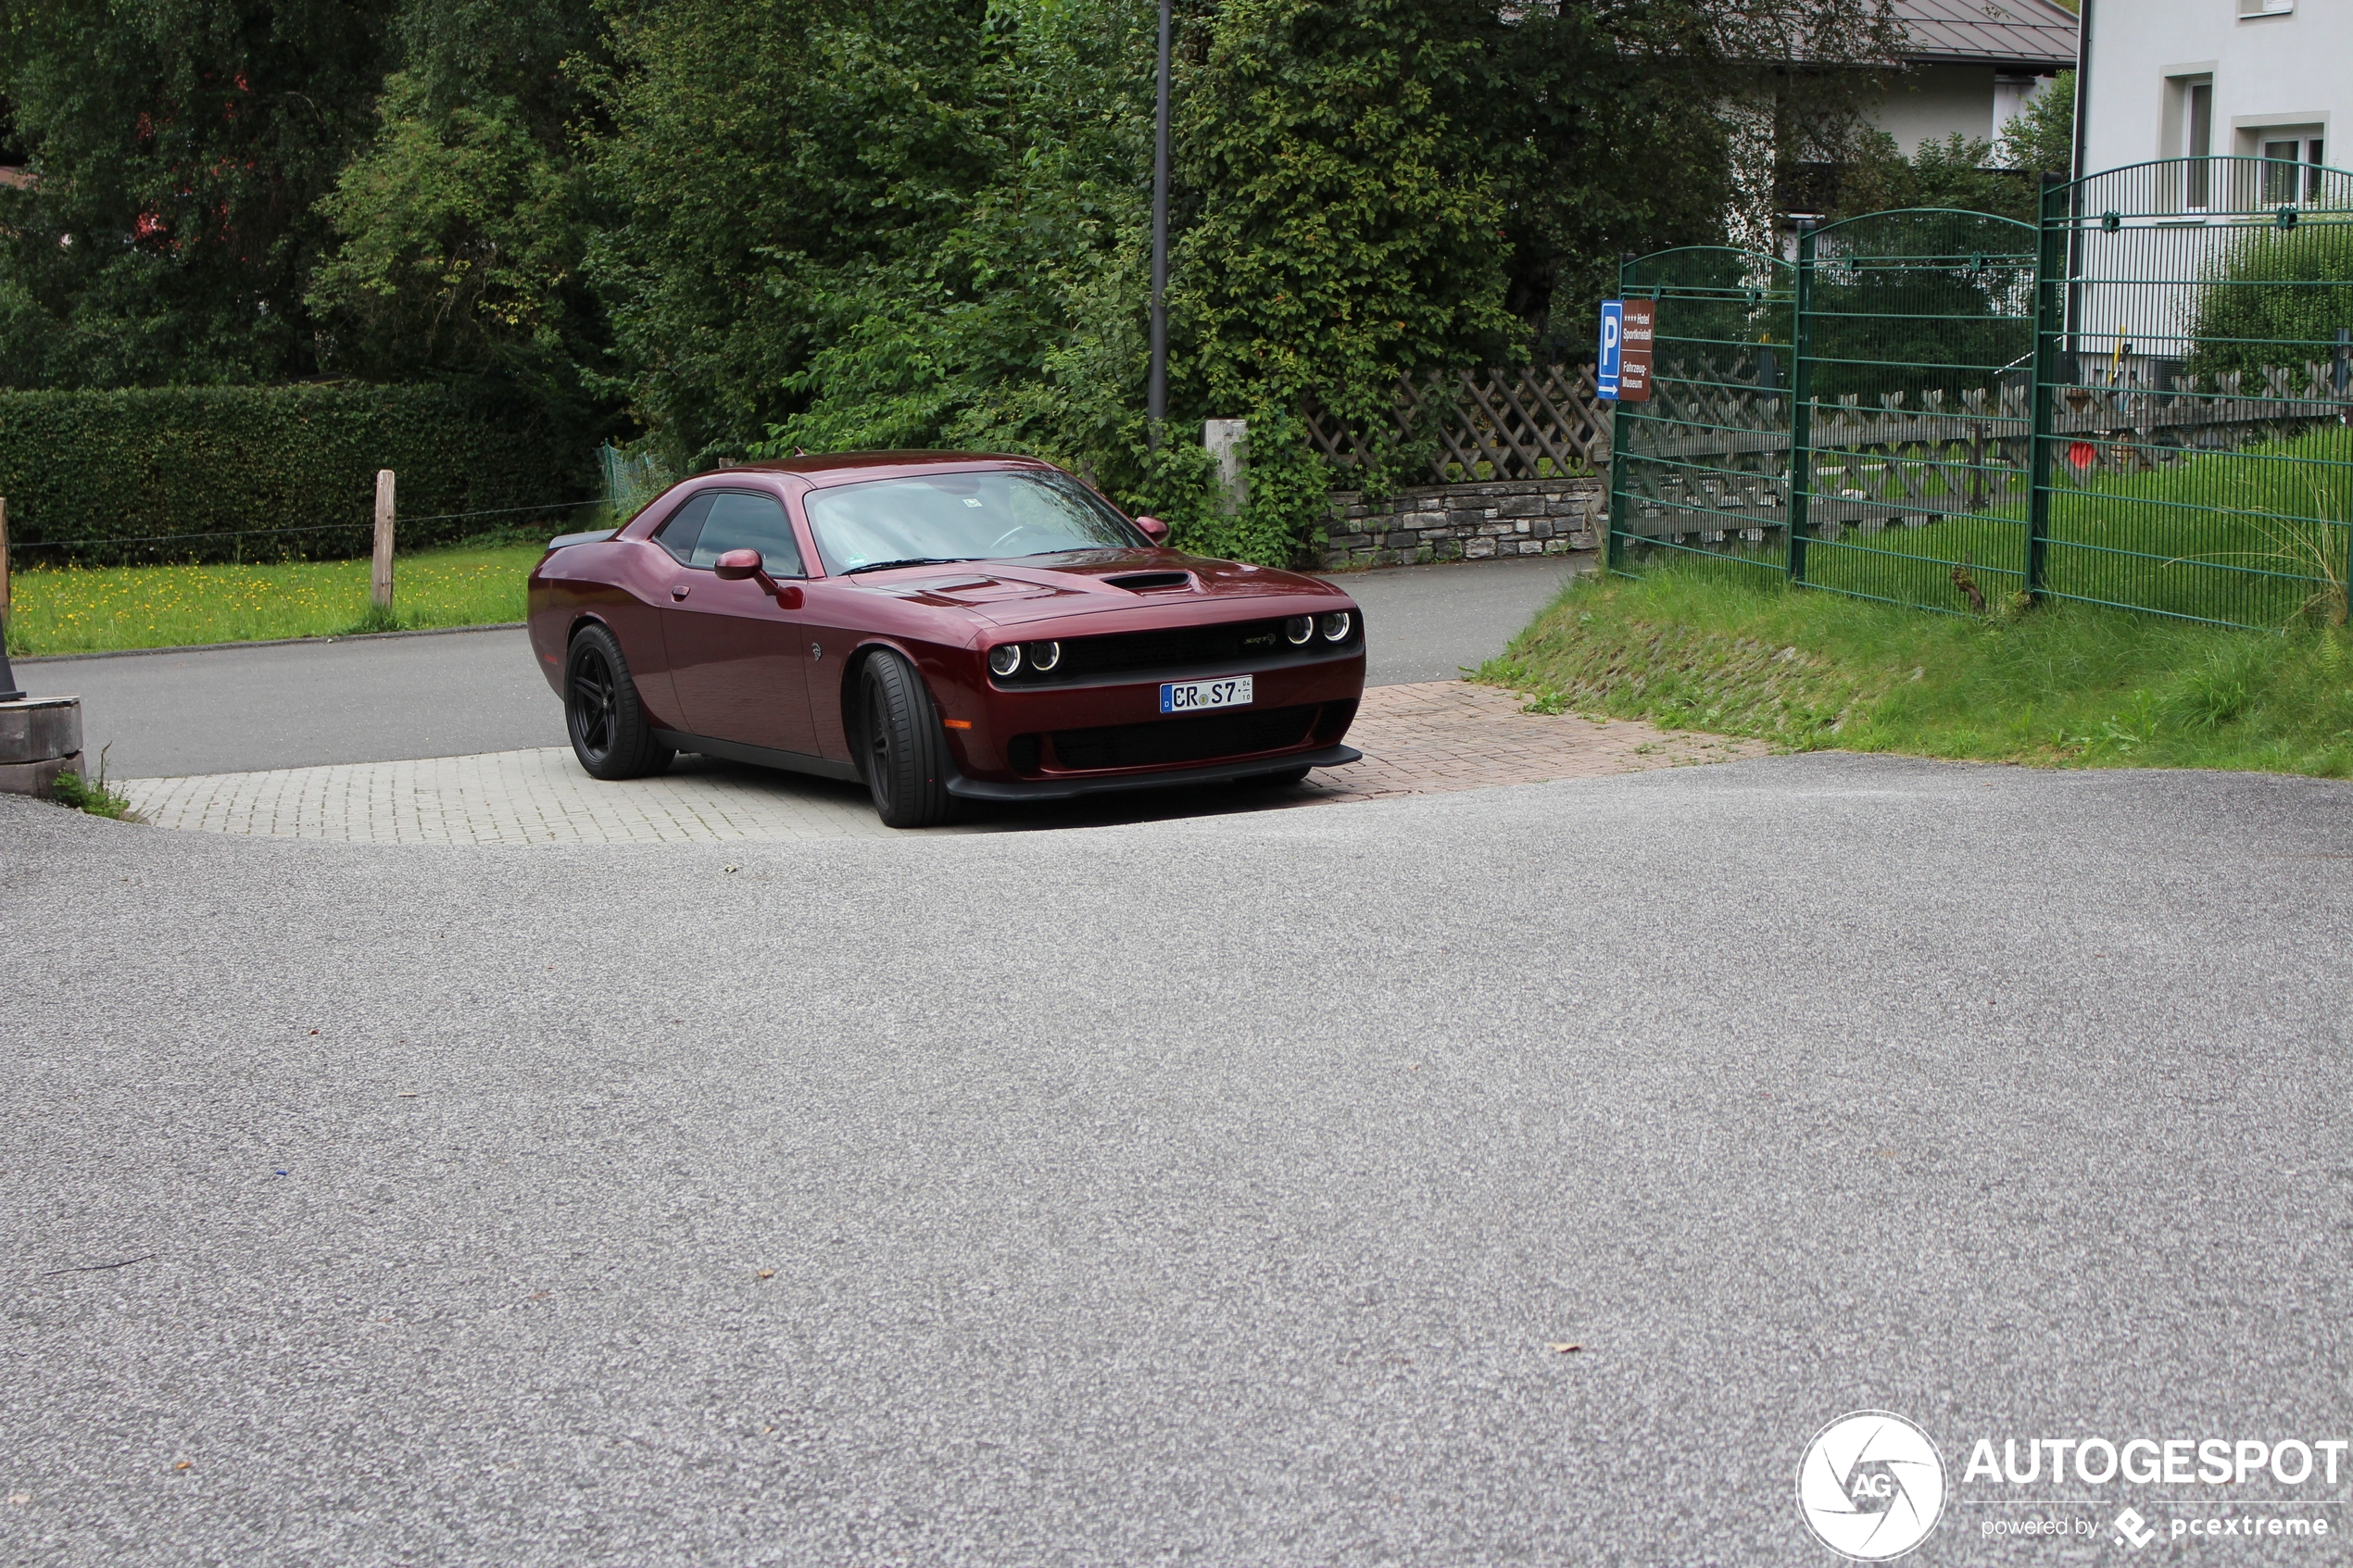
(943, 517)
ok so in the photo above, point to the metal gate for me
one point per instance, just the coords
(2145, 403)
(1916, 342)
(1701, 471)
(2193, 458)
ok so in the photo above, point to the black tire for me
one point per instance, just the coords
(902, 750)
(1283, 779)
(609, 732)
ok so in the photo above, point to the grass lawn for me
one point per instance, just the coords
(147, 607)
(2059, 685)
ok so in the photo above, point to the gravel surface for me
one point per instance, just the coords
(1209, 1191)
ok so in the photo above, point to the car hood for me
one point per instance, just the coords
(1042, 587)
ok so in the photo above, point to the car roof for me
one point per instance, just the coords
(839, 467)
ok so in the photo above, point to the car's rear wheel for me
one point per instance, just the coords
(904, 751)
(611, 734)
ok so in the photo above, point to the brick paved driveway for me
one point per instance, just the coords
(1422, 739)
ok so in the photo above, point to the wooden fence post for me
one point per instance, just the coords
(380, 577)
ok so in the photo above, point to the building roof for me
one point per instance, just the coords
(2025, 33)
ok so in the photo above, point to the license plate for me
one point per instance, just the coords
(1193, 697)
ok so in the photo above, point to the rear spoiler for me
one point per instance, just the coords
(593, 536)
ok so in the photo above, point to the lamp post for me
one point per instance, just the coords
(1157, 388)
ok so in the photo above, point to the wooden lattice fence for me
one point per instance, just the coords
(1720, 453)
(1538, 421)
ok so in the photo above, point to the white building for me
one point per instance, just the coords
(1969, 66)
(2214, 78)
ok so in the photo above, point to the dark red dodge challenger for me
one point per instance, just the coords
(943, 625)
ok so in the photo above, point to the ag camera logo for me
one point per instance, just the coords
(1871, 1487)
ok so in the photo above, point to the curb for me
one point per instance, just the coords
(269, 643)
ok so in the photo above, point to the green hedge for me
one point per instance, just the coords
(222, 463)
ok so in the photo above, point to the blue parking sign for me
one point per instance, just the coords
(1613, 344)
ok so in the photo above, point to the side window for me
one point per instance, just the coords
(739, 520)
(680, 535)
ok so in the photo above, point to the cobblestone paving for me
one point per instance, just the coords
(1423, 739)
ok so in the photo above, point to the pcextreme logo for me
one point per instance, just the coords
(1871, 1485)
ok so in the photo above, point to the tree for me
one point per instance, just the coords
(1349, 226)
(459, 230)
(1958, 172)
(178, 147)
(2042, 140)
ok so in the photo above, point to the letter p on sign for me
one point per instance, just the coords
(1613, 347)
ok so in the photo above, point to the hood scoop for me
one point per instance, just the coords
(972, 589)
(1151, 581)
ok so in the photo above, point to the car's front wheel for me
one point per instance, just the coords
(611, 734)
(904, 751)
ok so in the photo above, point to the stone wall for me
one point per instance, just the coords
(1469, 521)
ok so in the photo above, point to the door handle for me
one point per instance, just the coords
(680, 591)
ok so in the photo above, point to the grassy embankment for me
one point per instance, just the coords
(2064, 685)
(1691, 645)
(79, 610)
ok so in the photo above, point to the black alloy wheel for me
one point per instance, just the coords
(611, 734)
(902, 749)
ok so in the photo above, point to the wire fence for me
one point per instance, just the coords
(2145, 402)
(309, 542)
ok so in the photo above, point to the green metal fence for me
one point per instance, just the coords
(2143, 403)
(1701, 471)
(2192, 456)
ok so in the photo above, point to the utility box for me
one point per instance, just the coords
(1229, 442)
(39, 737)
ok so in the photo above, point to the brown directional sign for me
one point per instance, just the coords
(1634, 358)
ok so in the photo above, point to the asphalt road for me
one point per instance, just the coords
(1211, 1191)
(384, 699)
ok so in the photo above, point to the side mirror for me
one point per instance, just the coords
(734, 566)
(1154, 530)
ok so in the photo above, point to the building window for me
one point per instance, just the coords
(2197, 140)
(2291, 166)
(2266, 7)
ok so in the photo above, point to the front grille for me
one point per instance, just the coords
(1172, 741)
(1183, 648)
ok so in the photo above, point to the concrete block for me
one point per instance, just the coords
(38, 779)
(37, 729)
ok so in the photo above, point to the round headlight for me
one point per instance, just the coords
(1336, 626)
(1005, 659)
(1298, 630)
(1044, 655)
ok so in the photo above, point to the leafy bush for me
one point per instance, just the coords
(2275, 297)
(117, 466)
